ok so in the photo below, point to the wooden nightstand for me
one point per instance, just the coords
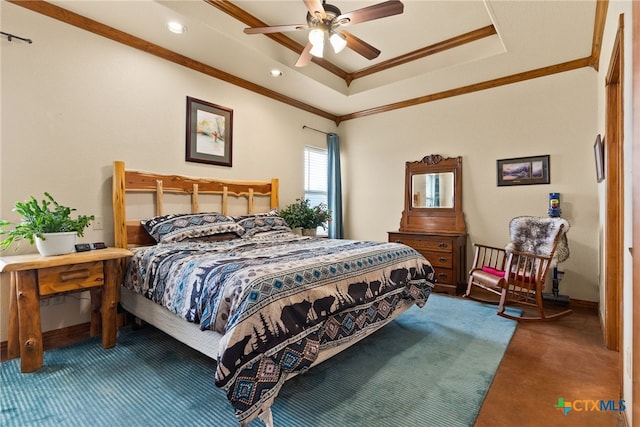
(34, 276)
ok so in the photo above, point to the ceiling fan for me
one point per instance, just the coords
(325, 22)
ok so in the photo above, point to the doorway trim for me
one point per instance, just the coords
(614, 198)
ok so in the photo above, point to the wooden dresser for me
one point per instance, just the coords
(445, 252)
(433, 220)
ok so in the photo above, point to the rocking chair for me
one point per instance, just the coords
(518, 273)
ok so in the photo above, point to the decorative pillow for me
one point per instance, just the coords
(272, 212)
(260, 223)
(222, 237)
(178, 227)
(493, 271)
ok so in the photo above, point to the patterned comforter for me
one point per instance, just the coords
(278, 300)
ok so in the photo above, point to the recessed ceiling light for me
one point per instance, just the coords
(176, 27)
(275, 73)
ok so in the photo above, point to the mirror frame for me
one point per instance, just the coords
(434, 220)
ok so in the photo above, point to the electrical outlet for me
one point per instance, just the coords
(56, 299)
(98, 223)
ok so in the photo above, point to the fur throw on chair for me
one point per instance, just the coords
(537, 234)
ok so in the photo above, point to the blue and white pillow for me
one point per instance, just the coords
(255, 224)
(178, 227)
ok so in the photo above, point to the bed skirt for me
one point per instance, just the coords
(206, 342)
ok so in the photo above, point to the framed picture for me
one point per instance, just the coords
(209, 133)
(523, 171)
(598, 153)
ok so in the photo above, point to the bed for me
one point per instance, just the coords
(226, 276)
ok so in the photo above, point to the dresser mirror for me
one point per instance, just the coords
(433, 195)
(433, 190)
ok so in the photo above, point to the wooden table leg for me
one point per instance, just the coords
(96, 307)
(109, 303)
(30, 334)
(13, 341)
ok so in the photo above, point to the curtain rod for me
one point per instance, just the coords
(11, 36)
(309, 127)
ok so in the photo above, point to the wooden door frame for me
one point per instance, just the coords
(635, 363)
(614, 197)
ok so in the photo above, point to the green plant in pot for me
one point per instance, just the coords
(301, 215)
(48, 224)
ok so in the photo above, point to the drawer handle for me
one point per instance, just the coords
(442, 274)
(74, 275)
(442, 245)
(442, 259)
(398, 241)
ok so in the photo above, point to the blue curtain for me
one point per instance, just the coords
(334, 188)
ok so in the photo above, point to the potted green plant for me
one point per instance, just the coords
(301, 215)
(48, 224)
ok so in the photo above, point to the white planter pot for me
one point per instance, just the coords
(309, 232)
(57, 243)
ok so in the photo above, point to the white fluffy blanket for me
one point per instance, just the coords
(536, 235)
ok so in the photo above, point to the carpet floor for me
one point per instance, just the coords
(430, 367)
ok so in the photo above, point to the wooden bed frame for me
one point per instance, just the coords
(130, 233)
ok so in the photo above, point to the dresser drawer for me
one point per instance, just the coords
(70, 277)
(444, 275)
(427, 244)
(439, 259)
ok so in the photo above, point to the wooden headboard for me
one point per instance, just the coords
(129, 232)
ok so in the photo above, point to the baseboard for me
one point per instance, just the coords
(590, 305)
(57, 338)
(566, 301)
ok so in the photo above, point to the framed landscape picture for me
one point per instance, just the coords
(209, 133)
(523, 171)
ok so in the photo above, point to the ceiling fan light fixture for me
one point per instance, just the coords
(324, 22)
(317, 49)
(338, 42)
(316, 37)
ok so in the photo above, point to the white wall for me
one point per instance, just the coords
(555, 115)
(73, 102)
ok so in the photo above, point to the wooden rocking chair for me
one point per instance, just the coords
(518, 273)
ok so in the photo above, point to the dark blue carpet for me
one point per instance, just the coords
(430, 367)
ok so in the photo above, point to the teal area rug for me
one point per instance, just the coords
(430, 367)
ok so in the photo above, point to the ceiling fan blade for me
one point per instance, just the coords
(315, 8)
(275, 29)
(305, 56)
(360, 46)
(377, 11)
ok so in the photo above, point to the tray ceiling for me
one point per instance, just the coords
(433, 46)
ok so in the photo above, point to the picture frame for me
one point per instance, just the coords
(523, 171)
(598, 154)
(209, 133)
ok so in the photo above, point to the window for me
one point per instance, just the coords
(315, 177)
